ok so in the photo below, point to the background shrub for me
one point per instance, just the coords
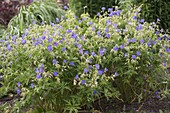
(90, 6)
(63, 67)
(153, 10)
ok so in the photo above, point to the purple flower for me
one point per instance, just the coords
(102, 51)
(41, 69)
(33, 22)
(76, 77)
(133, 40)
(97, 66)
(108, 22)
(79, 46)
(105, 69)
(32, 85)
(139, 27)
(72, 63)
(103, 8)
(98, 32)
(153, 42)
(9, 47)
(93, 54)
(118, 12)
(89, 67)
(50, 48)
(94, 92)
(157, 32)
(90, 61)
(86, 70)
(158, 20)
(65, 7)
(108, 35)
(80, 51)
(142, 41)
(90, 23)
(18, 84)
(115, 48)
(164, 64)
(68, 31)
(54, 61)
(116, 74)
(142, 21)
(134, 17)
(23, 41)
(100, 72)
(115, 25)
(36, 70)
(83, 82)
(55, 44)
(149, 44)
(57, 20)
(98, 14)
(55, 73)
(18, 91)
(86, 52)
(110, 9)
(43, 37)
(50, 40)
(63, 49)
(122, 46)
(167, 50)
(126, 54)
(128, 40)
(134, 57)
(14, 37)
(38, 76)
(64, 61)
(138, 53)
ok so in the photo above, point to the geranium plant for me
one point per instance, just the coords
(63, 67)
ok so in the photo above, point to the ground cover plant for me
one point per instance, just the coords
(66, 67)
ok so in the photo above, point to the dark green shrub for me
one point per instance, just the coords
(153, 10)
(90, 6)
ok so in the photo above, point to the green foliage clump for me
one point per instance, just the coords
(153, 10)
(45, 11)
(90, 6)
(66, 66)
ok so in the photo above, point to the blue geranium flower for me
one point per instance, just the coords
(54, 61)
(116, 74)
(76, 77)
(50, 48)
(83, 82)
(55, 73)
(23, 41)
(32, 85)
(72, 63)
(138, 53)
(97, 66)
(115, 48)
(134, 57)
(38, 76)
(86, 70)
(100, 72)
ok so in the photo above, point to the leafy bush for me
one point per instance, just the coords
(90, 6)
(63, 67)
(37, 12)
(153, 10)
